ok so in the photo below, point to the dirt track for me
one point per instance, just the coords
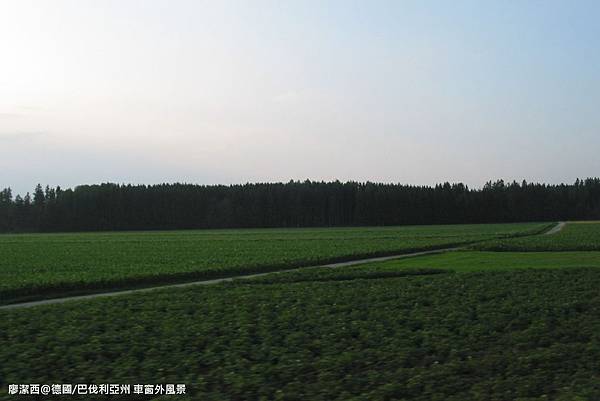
(556, 228)
(213, 281)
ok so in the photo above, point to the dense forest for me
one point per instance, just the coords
(293, 204)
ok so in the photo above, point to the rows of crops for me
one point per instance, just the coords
(497, 335)
(574, 237)
(36, 266)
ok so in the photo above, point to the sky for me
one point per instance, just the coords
(223, 92)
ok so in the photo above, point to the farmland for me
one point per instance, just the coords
(576, 236)
(460, 325)
(449, 262)
(504, 335)
(46, 265)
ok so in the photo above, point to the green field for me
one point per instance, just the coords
(457, 326)
(46, 265)
(449, 262)
(504, 335)
(584, 236)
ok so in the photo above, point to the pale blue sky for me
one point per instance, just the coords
(228, 92)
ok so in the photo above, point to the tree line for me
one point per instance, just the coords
(294, 204)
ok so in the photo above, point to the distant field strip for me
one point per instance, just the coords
(331, 266)
(448, 262)
(575, 236)
(52, 265)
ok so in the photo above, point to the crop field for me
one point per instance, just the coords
(46, 265)
(502, 335)
(584, 236)
(449, 262)
(455, 326)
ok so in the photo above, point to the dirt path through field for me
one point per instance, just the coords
(553, 230)
(214, 281)
(557, 228)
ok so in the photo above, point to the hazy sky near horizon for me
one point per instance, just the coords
(226, 92)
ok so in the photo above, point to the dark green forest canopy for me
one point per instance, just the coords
(293, 204)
